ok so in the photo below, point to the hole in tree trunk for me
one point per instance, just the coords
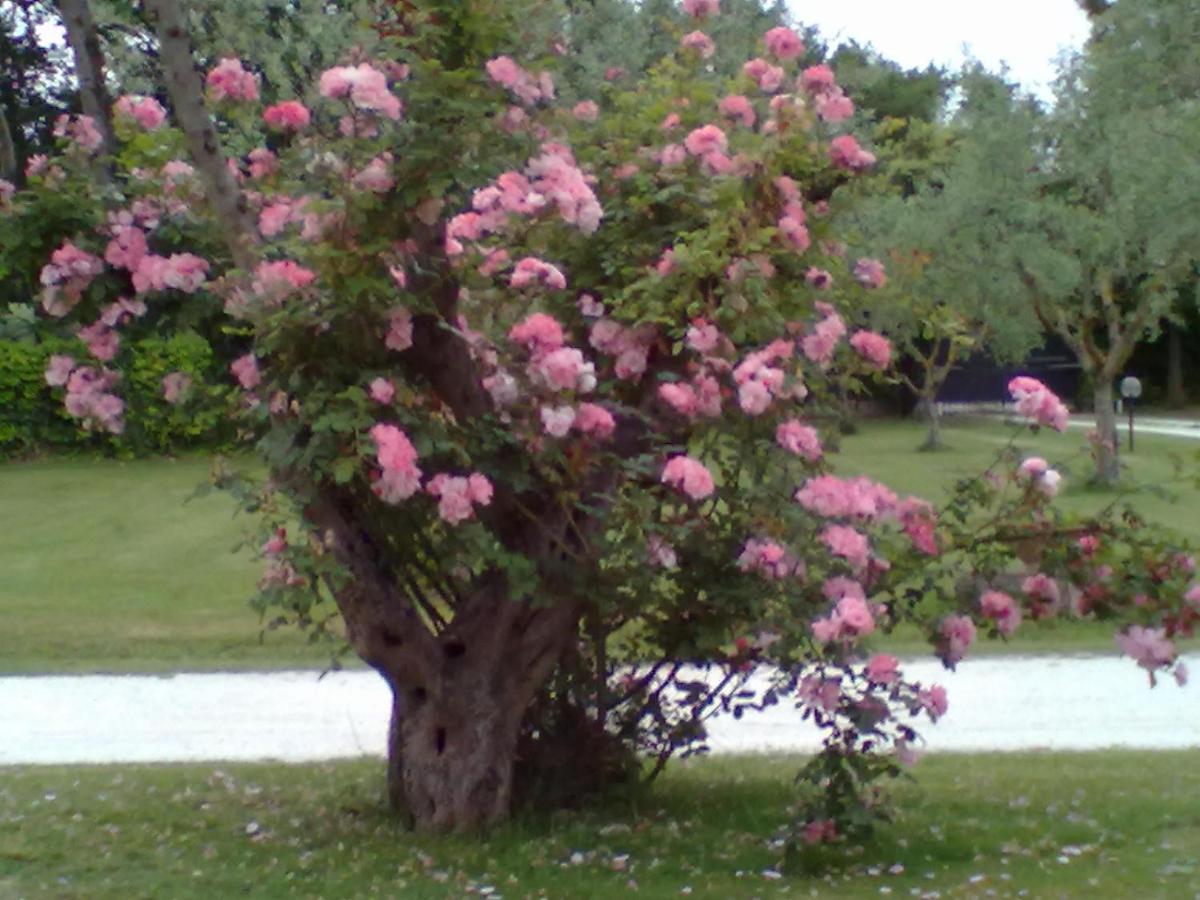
(419, 696)
(391, 639)
(439, 741)
(454, 649)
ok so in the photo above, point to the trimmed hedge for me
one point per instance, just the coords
(32, 417)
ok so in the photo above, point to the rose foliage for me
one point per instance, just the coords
(544, 395)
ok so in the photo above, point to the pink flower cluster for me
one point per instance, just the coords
(629, 346)
(688, 475)
(699, 42)
(81, 130)
(400, 329)
(1002, 609)
(702, 397)
(831, 101)
(145, 111)
(848, 543)
(1038, 402)
(850, 619)
(176, 386)
(539, 332)
(870, 273)
(766, 76)
(872, 347)
(66, 277)
(586, 111)
(245, 370)
(701, 9)
(919, 522)
(181, 271)
(783, 43)
(1149, 646)
(376, 176)
(800, 439)
(769, 559)
(525, 86)
(364, 86)
(956, 635)
(89, 393)
(290, 115)
(563, 369)
(276, 279)
(857, 498)
(228, 80)
(821, 342)
(737, 107)
(458, 496)
(759, 381)
(534, 272)
(102, 340)
(400, 478)
(708, 143)
(1039, 473)
(845, 153)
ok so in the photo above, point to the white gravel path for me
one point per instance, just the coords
(1076, 703)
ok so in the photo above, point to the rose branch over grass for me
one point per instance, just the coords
(111, 567)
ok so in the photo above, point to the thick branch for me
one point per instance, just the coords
(89, 67)
(187, 98)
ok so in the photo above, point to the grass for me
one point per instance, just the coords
(1111, 824)
(108, 567)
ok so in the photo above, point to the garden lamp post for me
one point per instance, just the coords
(1131, 389)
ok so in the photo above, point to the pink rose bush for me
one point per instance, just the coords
(519, 383)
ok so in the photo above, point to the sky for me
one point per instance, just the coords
(1026, 34)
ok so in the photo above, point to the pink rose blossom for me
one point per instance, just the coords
(883, 668)
(689, 476)
(102, 341)
(872, 347)
(1036, 401)
(847, 543)
(145, 111)
(290, 115)
(845, 153)
(767, 76)
(400, 329)
(557, 420)
(783, 43)
(229, 81)
(861, 498)
(870, 273)
(933, 700)
(817, 79)
(458, 496)
(735, 106)
(819, 279)
(400, 478)
(800, 439)
(661, 553)
(700, 42)
(957, 633)
(586, 111)
(1149, 646)
(594, 420)
(276, 279)
(533, 271)
(245, 370)
(364, 86)
(376, 176)
(381, 391)
(701, 9)
(1001, 608)
(81, 130)
(59, 370)
(175, 386)
(540, 333)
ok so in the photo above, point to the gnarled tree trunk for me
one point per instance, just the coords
(933, 418)
(1108, 470)
(89, 66)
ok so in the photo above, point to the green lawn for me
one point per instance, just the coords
(1106, 825)
(108, 568)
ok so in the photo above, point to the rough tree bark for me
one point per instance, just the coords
(186, 91)
(8, 152)
(89, 66)
(1176, 392)
(1108, 468)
